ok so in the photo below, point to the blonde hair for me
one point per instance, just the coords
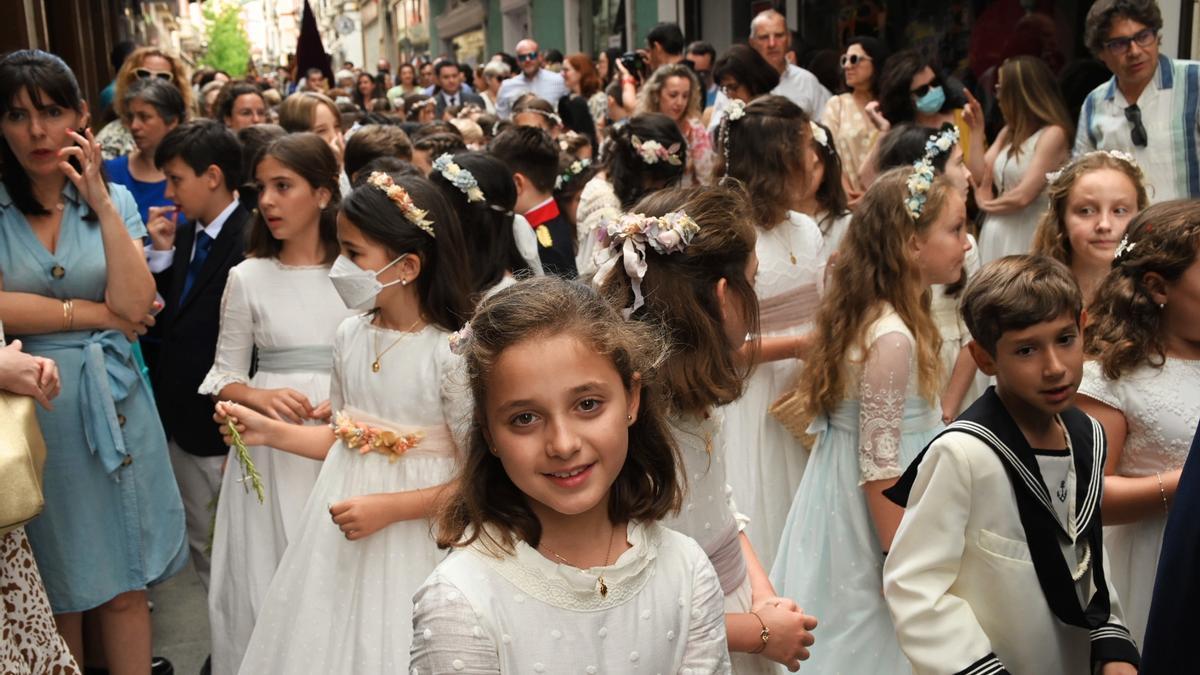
(298, 112)
(127, 75)
(878, 269)
(1030, 100)
(650, 97)
(1051, 235)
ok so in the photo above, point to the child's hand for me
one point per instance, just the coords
(360, 517)
(161, 227)
(323, 411)
(284, 404)
(255, 428)
(1118, 668)
(791, 631)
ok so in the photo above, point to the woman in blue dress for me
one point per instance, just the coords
(76, 289)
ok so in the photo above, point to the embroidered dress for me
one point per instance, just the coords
(113, 520)
(853, 135)
(710, 516)
(597, 203)
(765, 460)
(289, 315)
(341, 606)
(829, 556)
(1171, 157)
(1012, 233)
(1161, 408)
(515, 614)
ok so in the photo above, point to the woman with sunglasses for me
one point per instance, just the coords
(144, 63)
(846, 114)
(152, 108)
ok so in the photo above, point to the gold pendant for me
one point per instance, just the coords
(603, 588)
(375, 366)
(793, 256)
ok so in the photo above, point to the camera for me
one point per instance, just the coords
(634, 63)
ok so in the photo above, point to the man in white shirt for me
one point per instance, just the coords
(534, 78)
(769, 36)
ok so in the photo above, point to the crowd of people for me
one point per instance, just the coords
(666, 360)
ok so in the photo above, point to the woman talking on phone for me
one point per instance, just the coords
(76, 289)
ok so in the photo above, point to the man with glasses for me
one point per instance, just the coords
(1151, 106)
(534, 78)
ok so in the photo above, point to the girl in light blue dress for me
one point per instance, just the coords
(870, 390)
(76, 289)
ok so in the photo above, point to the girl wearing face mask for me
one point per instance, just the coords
(281, 304)
(341, 600)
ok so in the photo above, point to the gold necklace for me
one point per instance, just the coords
(375, 365)
(601, 586)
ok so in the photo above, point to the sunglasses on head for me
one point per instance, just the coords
(924, 89)
(146, 73)
(527, 57)
(853, 59)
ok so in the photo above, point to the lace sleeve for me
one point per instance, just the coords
(235, 341)
(881, 394)
(445, 635)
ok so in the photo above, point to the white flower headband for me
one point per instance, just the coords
(1124, 247)
(920, 181)
(401, 198)
(625, 239)
(735, 111)
(460, 342)
(555, 119)
(653, 152)
(459, 177)
(1121, 155)
(577, 167)
(819, 134)
(422, 103)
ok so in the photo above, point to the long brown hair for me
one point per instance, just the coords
(1030, 99)
(1050, 238)
(766, 151)
(486, 505)
(650, 96)
(878, 270)
(311, 157)
(1125, 324)
(589, 79)
(680, 294)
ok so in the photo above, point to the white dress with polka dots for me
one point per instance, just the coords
(341, 606)
(521, 613)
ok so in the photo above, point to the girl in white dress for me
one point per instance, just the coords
(1144, 387)
(1092, 201)
(766, 146)
(870, 386)
(339, 601)
(1035, 139)
(560, 564)
(826, 201)
(700, 289)
(279, 301)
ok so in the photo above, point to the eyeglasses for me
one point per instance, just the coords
(1138, 134)
(146, 73)
(527, 57)
(924, 89)
(853, 59)
(1143, 38)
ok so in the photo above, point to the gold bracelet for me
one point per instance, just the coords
(66, 315)
(1162, 493)
(765, 635)
(70, 315)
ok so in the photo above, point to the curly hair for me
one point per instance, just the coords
(1125, 327)
(1050, 238)
(895, 86)
(649, 98)
(486, 505)
(766, 151)
(1100, 17)
(882, 272)
(127, 75)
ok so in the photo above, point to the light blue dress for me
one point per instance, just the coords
(113, 520)
(829, 558)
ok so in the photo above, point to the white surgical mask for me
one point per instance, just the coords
(357, 287)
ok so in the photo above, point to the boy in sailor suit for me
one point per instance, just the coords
(998, 565)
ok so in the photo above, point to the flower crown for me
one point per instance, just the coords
(1121, 155)
(1124, 248)
(422, 103)
(460, 342)
(920, 181)
(625, 239)
(402, 199)
(653, 152)
(819, 134)
(735, 111)
(459, 177)
(577, 167)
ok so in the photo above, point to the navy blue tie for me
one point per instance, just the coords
(203, 244)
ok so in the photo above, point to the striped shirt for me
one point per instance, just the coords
(1170, 108)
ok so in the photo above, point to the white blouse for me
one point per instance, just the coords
(521, 613)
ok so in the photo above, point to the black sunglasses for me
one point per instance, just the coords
(1138, 134)
(853, 59)
(527, 57)
(924, 89)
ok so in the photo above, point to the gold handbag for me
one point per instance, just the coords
(788, 410)
(22, 456)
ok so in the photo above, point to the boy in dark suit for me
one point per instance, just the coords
(202, 162)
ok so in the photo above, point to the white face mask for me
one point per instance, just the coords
(358, 287)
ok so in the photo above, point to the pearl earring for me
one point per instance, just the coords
(404, 282)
